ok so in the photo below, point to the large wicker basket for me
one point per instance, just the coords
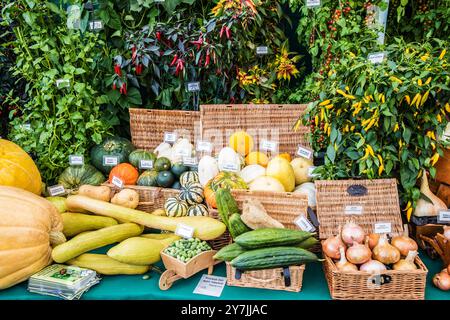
(269, 122)
(379, 204)
(148, 126)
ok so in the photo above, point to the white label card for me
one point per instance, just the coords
(170, 137)
(193, 86)
(382, 227)
(75, 160)
(304, 224)
(184, 231)
(304, 152)
(57, 190)
(117, 182)
(262, 50)
(183, 152)
(146, 164)
(376, 57)
(312, 3)
(110, 161)
(353, 210)
(210, 285)
(204, 146)
(232, 167)
(96, 25)
(444, 216)
(190, 161)
(267, 145)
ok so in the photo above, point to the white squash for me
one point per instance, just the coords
(207, 169)
(309, 189)
(266, 184)
(228, 158)
(252, 172)
(301, 166)
(162, 148)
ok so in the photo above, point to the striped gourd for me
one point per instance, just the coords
(192, 193)
(176, 207)
(198, 210)
(189, 177)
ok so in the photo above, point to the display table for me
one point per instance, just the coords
(136, 288)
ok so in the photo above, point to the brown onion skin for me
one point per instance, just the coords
(373, 240)
(364, 256)
(442, 281)
(386, 253)
(351, 232)
(404, 245)
(382, 266)
(331, 247)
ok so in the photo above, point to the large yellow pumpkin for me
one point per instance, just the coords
(17, 169)
(29, 226)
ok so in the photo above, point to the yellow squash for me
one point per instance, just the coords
(103, 264)
(280, 169)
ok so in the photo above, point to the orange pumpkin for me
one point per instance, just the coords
(125, 172)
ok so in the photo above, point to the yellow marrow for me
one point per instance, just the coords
(75, 223)
(106, 265)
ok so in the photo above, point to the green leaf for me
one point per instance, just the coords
(134, 97)
(407, 135)
(331, 153)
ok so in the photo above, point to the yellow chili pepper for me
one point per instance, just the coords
(396, 127)
(325, 127)
(366, 155)
(366, 99)
(352, 128)
(338, 113)
(316, 120)
(428, 81)
(347, 88)
(424, 98)
(439, 118)
(416, 97)
(434, 159)
(433, 145)
(380, 158)
(365, 122)
(380, 170)
(329, 131)
(400, 143)
(424, 57)
(395, 79)
(383, 98)
(350, 97)
(372, 122)
(447, 107)
(408, 99)
(408, 205)
(441, 56)
(341, 92)
(329, 107)
(409, 213)
(419, 82)
(324, 103)
(346, 129)
(322, 114)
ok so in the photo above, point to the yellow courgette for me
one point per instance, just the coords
(75, 223)
(138, 251)
(103, 264)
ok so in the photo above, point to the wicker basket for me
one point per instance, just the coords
(274, 279)
(270, 122)
(148, 126)
(224, 239)
(378, 203)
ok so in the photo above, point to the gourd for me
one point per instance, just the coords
(268, 258)
(424, 208)
(94, 239)
(226, 205)
(198, 210)
(162, 148)
(309, 189)
(229, 252)
(236, 226)
(125, 172)
(272, 237)
(103, 264)
(241, 142)
(17, 169)
(255, 216)
(137, 156)
(189, 177)
(29, 225)
(75, 176)
(252, 172)
(175, 207)
(301, 167)
(265, 183)
(139, 251)
(75, 223)
(112, 146)
(182, 146)
(229, 159)
(126, 198)
(100, 193)
(148, 178)
(207, 169)
(224, 180)
(280, 169)
(205, 228)
(192, 193)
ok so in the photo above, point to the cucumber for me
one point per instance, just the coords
(229, 252)
(308, 243)
(236, 226)
(226, 205)
(271, 237)
(274, 257)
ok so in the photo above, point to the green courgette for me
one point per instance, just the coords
(226, 205)
(271, 237)
(236, 226)
(229, 252)
(308, 243)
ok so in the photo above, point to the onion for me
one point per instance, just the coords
(373, 240)
(442, 281)
(343, 264)
(406, 264)
(447, 232)
(351, 232)
(404, 243)
(385, 253)
(373, 266)
(331, 246)
(358, 253)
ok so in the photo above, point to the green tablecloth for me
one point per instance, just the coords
(136, 288)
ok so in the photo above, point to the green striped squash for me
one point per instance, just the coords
(175, 207)
(192, 193)
(198, 210)
(189, 177)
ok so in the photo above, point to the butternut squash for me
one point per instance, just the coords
(75, 223)
(93, 240)
(103, 264)
(205, 228)
(102, 193)
(126, 198)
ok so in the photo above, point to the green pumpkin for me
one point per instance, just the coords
(175, 207)
(148, 178)
(178, 169)
(136, 156)
(176, 185)
(162, 164)
(112, 146)
(165, 179)
(198, 210)
(189, 177)
(75, 176)
(192, 193)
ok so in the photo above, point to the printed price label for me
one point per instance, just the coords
(231, 167)
(184, 152)
(310, 172)
(57, 190)
(110, 161)
(267, 145)
(96, 25)
(444, 216)
(376, 57)
(353, 210)
(204, 146)
(312, 3)
(210, 285)
(184, 231)
(382, 227)
(170, 137)
(75, 160)
(189, 161)
(304, 152)
(262, 50)
(146, 164)
(304, 224)
(62, 83)
(193, 86)
(117, 182)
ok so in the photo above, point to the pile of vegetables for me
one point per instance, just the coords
(355, 251)
(186, 249)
